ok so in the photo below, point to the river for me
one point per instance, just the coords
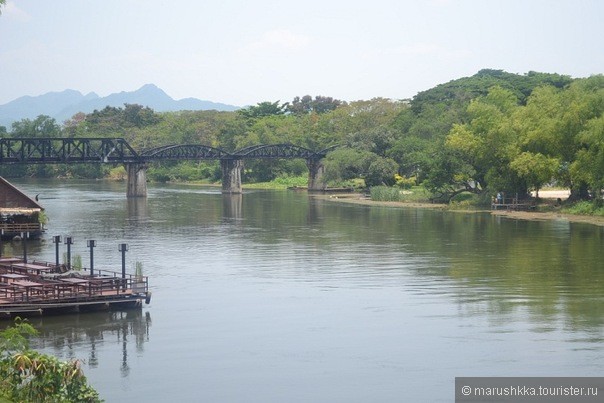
(279, 296)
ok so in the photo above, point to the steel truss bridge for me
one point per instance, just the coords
(117, 150)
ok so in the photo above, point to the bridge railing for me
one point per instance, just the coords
(49, 150)
(65, 150)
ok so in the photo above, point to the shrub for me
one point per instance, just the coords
(30, 376)
(386, 193)
(585, 208)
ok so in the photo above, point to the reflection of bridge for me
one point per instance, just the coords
(117, 150)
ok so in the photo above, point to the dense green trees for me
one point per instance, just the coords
(494, 131)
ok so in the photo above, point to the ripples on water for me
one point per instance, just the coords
(277, 296)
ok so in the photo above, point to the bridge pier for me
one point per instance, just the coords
(316, 169)
(136, 180)
(231, 175)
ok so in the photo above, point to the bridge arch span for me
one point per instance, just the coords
(275, 151)
(185, 152)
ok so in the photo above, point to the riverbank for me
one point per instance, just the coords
(355, 198)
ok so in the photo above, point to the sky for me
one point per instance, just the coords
(242, 52)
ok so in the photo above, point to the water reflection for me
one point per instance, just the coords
(232, 205)
(262, 289)
(68, 336)
(137, 208)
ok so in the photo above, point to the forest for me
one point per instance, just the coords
(494, 131)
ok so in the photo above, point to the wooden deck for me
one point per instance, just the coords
(37, 288)
(511, 204)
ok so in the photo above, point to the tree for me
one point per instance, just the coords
(487, 143)
(412, 154)
(305, 105)
(42, 126)
(448, 173)
(261, 110)
(535, 169)
(588, 166)
(300, 106)
(346, 163)
(139, 116)
(381, 171)
(122, 122)
(557, 123)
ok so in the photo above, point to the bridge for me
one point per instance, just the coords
(118, 151)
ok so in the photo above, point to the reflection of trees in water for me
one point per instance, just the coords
(67, 336)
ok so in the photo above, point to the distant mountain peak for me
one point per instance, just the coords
(149, 86)
(64, 104)
(151, 90)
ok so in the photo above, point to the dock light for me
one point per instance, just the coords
(24, 236)
(123, 247)
(68, 242)
(1, 235)
(57, 241)
(91, 243)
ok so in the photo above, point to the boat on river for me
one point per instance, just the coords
(35, 288)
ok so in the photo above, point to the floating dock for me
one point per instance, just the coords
(41, 288)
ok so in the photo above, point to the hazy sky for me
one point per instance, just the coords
(242, 52)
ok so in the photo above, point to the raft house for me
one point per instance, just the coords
(19, 214)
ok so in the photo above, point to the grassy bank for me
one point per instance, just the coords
(279, 183)
(587, 208)
(416, 194)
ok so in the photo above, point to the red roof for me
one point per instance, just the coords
(12, 198)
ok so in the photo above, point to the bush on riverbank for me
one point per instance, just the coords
(387, 193)
(585, 208)
(30, 376)
(282, 182)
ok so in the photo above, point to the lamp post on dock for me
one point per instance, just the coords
(57, 241)
(24, 236)
(68, 242)
(1, 235)
(123, 247)
(91, 243)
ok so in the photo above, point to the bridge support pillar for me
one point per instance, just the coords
(316, 169)
(137, 180)
(231, 175)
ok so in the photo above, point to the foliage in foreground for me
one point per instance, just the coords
(30, 376)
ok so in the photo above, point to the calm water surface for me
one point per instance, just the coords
(278, 296)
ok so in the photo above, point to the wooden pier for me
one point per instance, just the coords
(511, 204)
(39, 288)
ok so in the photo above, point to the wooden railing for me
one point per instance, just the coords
(21, 227)
(22, 286)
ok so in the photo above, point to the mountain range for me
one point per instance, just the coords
(63, 105)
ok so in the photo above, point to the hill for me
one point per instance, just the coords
(63, 105)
